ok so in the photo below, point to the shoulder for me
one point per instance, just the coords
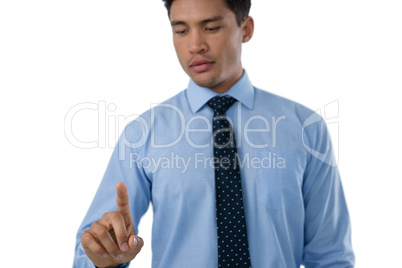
(137, 132)
(167, 111)
(275, 104)
(165, 108)
(305, 124)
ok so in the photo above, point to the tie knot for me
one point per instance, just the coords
(220, 104)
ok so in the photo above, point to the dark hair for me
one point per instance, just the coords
(240, 8)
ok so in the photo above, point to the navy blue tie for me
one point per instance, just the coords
(233, 248)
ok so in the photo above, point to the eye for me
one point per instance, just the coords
(213, 29)
(182, 32)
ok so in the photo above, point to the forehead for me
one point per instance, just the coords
(199, 10)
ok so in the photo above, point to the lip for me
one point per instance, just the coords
(201, 65)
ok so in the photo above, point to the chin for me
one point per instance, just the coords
(204, 80)
(203, 83)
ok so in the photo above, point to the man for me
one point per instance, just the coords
(238, 177)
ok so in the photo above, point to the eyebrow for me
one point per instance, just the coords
(212, 19)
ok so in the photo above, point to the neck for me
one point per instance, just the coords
(225, 85)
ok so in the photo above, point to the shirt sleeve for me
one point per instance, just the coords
(121, 167)
(327, 229)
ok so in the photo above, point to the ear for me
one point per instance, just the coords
(247, 29)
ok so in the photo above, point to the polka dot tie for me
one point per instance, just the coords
(233, 248)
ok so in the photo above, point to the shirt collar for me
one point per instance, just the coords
(242, 91)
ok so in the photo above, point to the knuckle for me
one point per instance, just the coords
(86, 239)
(105, 216)
(93, 226)
(121, 236)
(98, 251)
(114, 251)
(115, 215)
(122, 202)
(102, 233)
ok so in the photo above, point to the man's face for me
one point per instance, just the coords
(208, 42)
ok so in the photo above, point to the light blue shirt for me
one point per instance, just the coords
(294, 203)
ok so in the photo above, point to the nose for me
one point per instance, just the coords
(198, 43)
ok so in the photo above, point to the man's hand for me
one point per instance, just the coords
(112, 240)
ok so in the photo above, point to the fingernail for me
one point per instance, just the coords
(135, 242)
(119, 257)
(124, 246)
(105, 255)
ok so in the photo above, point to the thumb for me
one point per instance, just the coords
(135, 242)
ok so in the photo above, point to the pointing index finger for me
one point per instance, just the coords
(123, 204)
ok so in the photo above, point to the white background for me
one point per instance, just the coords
(56, 54)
